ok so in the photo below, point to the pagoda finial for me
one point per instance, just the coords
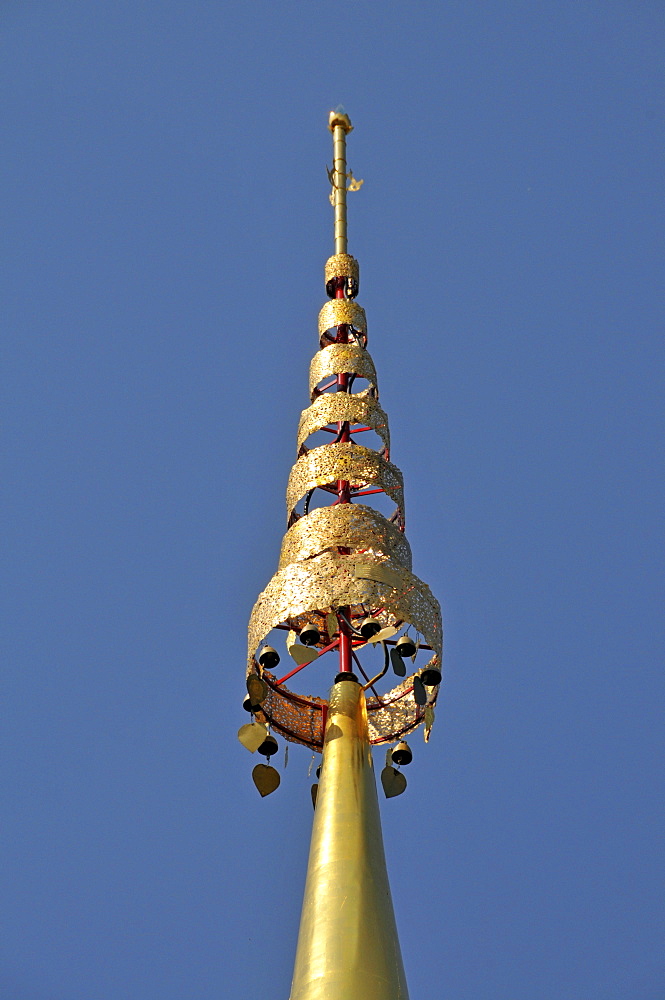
(340, 125)
(344, 587)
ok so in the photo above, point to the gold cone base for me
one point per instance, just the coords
(347, 945)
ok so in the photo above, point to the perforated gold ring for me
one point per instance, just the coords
(338, 359)
(350, 462)
(342, 311)
(341, 265)
(342, 406)
(347, 525)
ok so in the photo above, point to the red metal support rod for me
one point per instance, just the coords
(343, 495)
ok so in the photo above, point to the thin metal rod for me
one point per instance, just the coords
(369, 683)
(339, 124)
(345, 663)
(302, 666)
(339, 175)
(382, 673)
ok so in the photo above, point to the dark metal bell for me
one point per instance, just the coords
(269, 657)
(369, 627)
(406, 646)
(401, 754)
(268, 747)
(431, 676)
(247, 703)
(309, 635)
(318, 771)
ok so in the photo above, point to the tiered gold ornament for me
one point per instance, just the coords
(347, 555)
(345, 587)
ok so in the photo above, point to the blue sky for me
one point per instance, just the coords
(164, 227)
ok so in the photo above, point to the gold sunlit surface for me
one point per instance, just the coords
(347, 947)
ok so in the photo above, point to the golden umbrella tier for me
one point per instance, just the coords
(359, 466)
(352, 526)
(331, 580)
(338, 359)
(335, 407)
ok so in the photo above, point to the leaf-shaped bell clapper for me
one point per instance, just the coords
(268, 658)
(252, 735)
(310, 635)
(369, 627)
(402, 755)
(419, 692)
(405, 646)
(266, 778)
(397, 662)
(257, 692)
(431, 676)
(268, 747)
(394, 782)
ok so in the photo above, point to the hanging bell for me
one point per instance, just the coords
(247, 703)
(268, 658)
(406, 646)
(269, 746)
(310, 635)
(369, 627)
(318, 771)
(401, 754)
(431, 676)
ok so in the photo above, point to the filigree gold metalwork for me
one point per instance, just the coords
(342, 311)
(357, 465)
(330, 408)
(328, 581)
(350, 525)
(339, 358)
(300, 719)
(341, 265)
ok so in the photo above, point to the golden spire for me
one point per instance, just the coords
(347, 946)
(344, 593)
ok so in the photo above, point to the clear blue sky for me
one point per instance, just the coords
(164, 227)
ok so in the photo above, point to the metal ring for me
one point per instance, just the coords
(336, 407)
(357, 465)
(342, 265)
(340, 312)
(329, 581)
(338, 359)
(347, 525)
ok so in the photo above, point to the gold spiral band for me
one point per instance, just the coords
(338, 359)
(348, 525)
(336, 407)
(322, 584)
(329, 581)
(341, 265)
(342, 311)
(356, 465)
